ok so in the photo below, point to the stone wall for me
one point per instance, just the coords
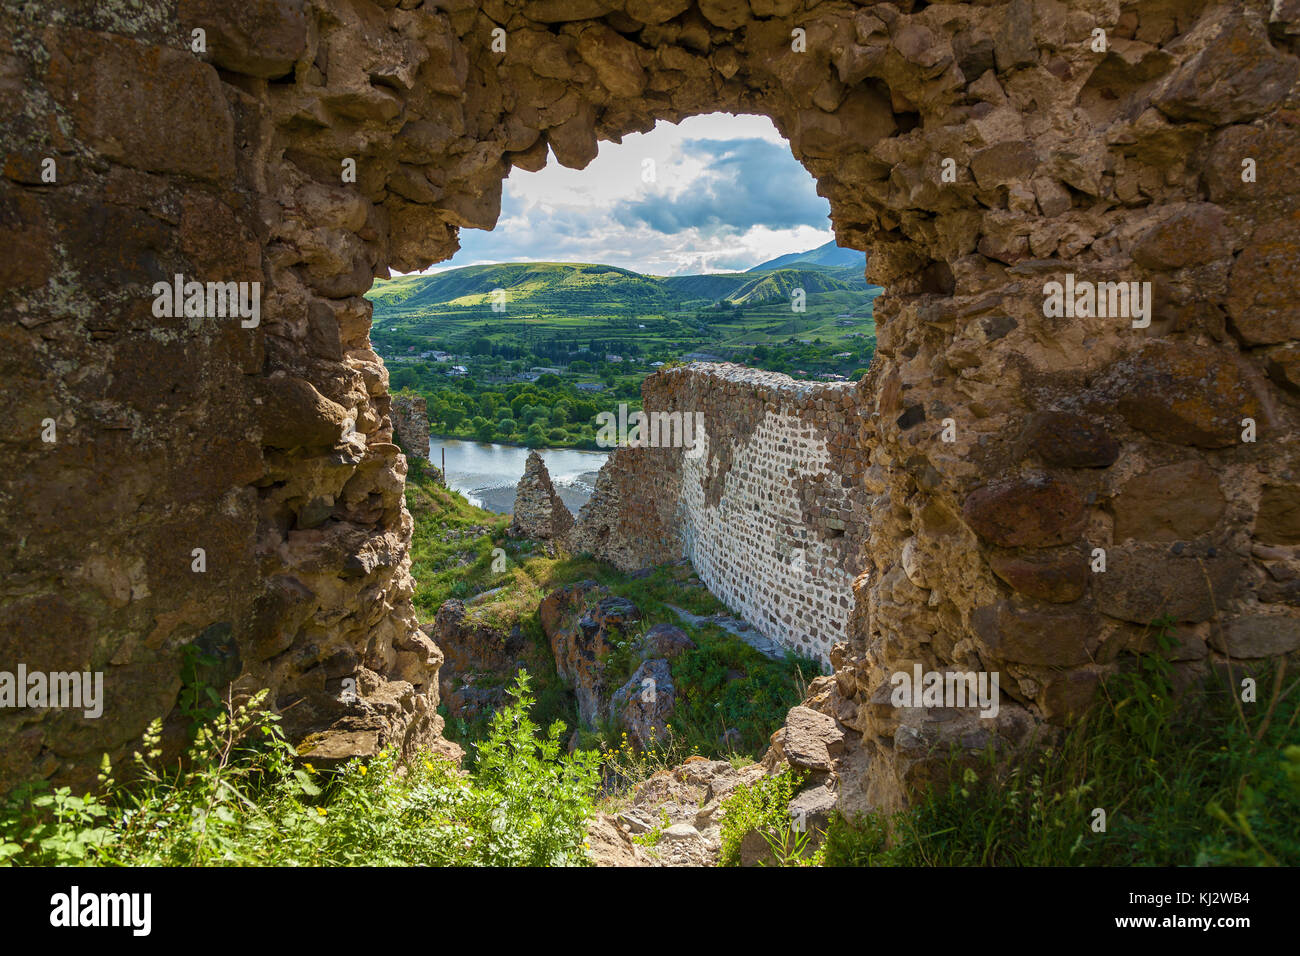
(765, 501)
(975, 151)
(410, 417)
(539, 513)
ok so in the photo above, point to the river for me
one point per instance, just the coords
(487, 474)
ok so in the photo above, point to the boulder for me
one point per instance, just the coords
(809, 741)
(644, 705)
(666, 641)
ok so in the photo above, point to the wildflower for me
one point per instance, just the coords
(320, 811)
(309, 768)
(362, 770)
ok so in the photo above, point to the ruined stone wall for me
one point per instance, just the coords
(410, 417)
(975, 151)
(765, 501)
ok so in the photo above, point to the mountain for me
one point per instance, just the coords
(829, 256)
(539, 283)
(591, 288)
(711, 287)
(778, 284)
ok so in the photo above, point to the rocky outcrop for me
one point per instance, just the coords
(644, 705)
(539, 513)
(582, 621)
(410, 416)
(480, 659)
(175, 477)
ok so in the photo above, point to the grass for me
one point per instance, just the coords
(1205, 780)
(453, 541)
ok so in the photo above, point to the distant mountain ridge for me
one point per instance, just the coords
(824, 269)
(829, 256)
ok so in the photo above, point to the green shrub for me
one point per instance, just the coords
(241, 798)
(762, 806)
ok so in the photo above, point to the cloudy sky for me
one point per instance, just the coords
(714, 193)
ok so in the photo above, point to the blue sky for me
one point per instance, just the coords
(713, 193)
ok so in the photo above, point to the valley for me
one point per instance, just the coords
(530, 353)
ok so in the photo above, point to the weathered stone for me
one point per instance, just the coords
(1278, 518)
(1192, 235)
(1181, 394)
(666, 641)
(1067, 440)
(293, 414)
(1068, 695)
(1143, 582)
(1261, 310)
(644, 705)
(1237, 76)
(256, 37)
(1013, 44)
(581, 621)
(1034, 511)
(1058, 577)
(727, 14)
(1170, 503)
(148, 107)
(1003, 163)
(656, 11)
(809, 741)
(411, 425)
(1043, 637)
(614, 60)
(1284, 366)
(1257, 635)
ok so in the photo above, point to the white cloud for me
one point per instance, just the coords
(721, 199)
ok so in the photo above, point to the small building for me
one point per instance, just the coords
(458, 370)
(590, 387)
(613, 358)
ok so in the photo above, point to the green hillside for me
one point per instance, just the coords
(779, 286)
(524, 283)
(568, 340)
